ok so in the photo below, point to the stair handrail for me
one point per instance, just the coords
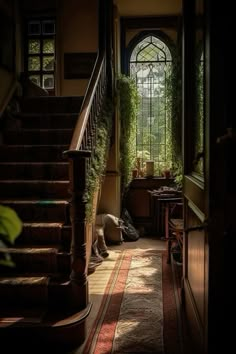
(94, 92)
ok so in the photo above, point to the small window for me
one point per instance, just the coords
(40, 52)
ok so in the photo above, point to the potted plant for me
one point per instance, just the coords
(167, 172)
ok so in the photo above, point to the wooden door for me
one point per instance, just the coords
(209, 191)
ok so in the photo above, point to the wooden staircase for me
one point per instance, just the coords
(37, 296)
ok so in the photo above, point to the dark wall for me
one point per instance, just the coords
(7, 35)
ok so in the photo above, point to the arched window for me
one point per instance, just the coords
(150, 65)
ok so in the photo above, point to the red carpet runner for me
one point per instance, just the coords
(138, 311)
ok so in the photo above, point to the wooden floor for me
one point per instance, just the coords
(98, 280)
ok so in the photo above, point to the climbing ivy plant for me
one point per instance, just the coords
(129, 99)
(174, 100)
(98, 161)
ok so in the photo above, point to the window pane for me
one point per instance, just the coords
(34, 46)
(162, 153)
(34, 27)
(35, 79)
(48, 46)
(48, 63)
(48, 81)
(48, 27)
(34, 63)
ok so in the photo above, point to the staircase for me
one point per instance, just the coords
(35, 295)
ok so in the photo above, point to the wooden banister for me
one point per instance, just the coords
(79, 155)
(90, 104)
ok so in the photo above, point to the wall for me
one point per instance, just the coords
(7, 52)
(6, 89)
(78, 32)
(148, 7)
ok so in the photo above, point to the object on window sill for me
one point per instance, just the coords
(149, 168)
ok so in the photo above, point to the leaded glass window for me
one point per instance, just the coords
(40, 58)
(150, 66)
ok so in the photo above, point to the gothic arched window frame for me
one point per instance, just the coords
(160, 152)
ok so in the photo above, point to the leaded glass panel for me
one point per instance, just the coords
(150, 66)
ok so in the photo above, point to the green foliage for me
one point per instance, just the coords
(129, 100)
(10, 228)
(199, 118)
(174, 99)
(178, 173)
(99, 158)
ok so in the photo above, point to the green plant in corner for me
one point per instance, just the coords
(10, 228)
(129, 99)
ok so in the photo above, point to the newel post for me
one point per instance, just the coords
(78, 161)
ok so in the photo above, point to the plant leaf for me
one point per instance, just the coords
(10, 224)
(7, 263)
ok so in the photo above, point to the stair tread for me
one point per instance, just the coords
(38, 146)
(29, 249)
(41, 130)
(33, 181)
(29, 170)
(21, 314)
(53, 278)
(45, 114)
(23, 280)
(20, 163)
(44, 224)
(34, 201)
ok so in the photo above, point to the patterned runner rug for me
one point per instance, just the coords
(131, 317)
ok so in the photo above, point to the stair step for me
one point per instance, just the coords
(33, 328)
(32, 153)
(24, 291)
(47, 120)
(52, 104)
(36, 260)
(40, 234)
(45, 234)
(40, 210)
(34, 189)
(13, 315)
(33, 170)
(29, 291)
(38, 137)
